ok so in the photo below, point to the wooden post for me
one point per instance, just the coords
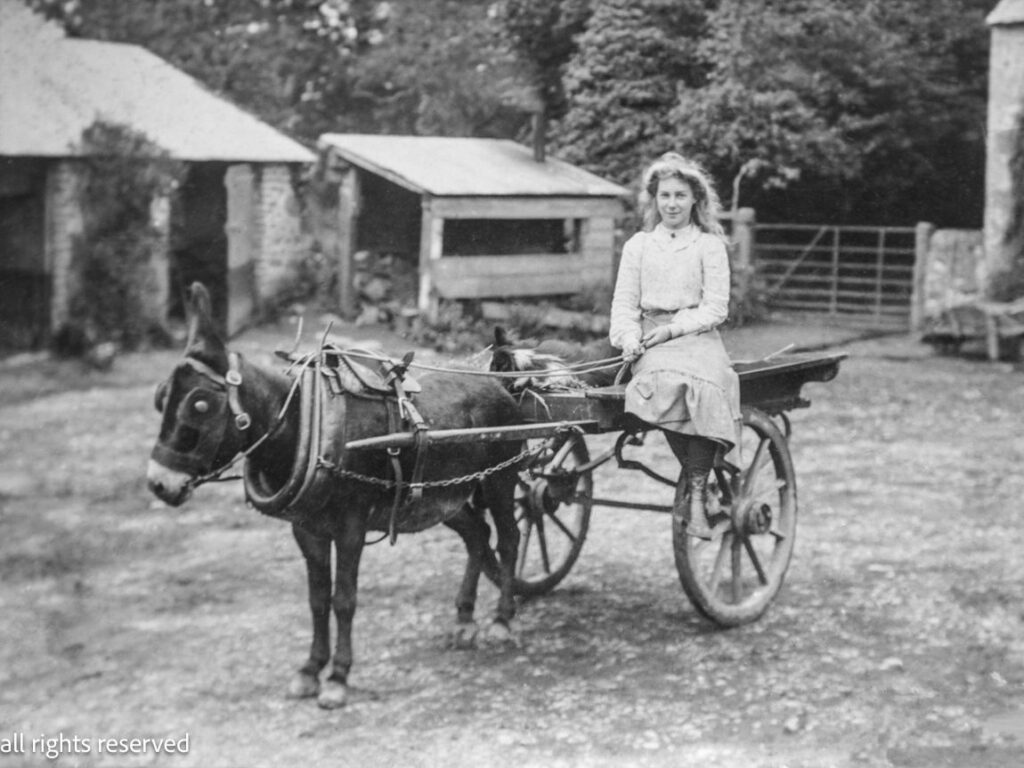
(245, 240)
(348, 221)
(834, 301)
(922, 242)
(991, 335)
(431, 244)
(743, 221)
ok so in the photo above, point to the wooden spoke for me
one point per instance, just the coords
(737, 569)
(562, 526)
(750, 476)
(542, 541)
(752, 554)
(719, 566)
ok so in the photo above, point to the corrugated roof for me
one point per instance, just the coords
(52, 88)
(443, 166)
(1007, 12)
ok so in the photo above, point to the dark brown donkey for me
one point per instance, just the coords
(216, 405)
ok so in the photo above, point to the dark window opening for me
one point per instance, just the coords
(507, 237)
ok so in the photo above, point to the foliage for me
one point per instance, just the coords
(543, 34)
(286, 60)
(621, 84)
(440, 69)
(123, 172)
(847, 111)
(862, 110)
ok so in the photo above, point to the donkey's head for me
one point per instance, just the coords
(508, 358)
(202, 420)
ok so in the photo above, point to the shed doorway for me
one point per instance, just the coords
(25, 281)
(199, 242)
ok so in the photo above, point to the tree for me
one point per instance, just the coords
(440, 68)
(543, 36)
(287, 61)
(846, 109)
(621, 84)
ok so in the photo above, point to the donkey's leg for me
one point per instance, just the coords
(500, 497)
(348, 544)
(475, 533)
(317, 552)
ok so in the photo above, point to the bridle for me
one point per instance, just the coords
(230, 384)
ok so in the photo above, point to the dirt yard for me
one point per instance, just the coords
(897, 641)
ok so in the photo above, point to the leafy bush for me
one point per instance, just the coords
(123, 172)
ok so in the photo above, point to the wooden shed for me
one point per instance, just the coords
(480, 217)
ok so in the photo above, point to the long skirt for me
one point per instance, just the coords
(687, 385)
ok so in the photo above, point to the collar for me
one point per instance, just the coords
(677, 237)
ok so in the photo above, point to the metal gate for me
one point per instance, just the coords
(855, 275)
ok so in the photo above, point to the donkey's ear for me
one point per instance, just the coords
(204, 340)
(500, 337)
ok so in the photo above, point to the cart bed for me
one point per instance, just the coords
(772, 386)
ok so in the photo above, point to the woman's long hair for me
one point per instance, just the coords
(706, 207)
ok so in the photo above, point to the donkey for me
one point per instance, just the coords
(551, 356)
(216, 405)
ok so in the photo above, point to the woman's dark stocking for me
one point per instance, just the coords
(697, 457)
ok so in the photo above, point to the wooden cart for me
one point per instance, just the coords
(752, 507)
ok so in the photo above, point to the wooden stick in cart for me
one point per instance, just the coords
(778, 352)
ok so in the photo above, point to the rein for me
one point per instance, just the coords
(577, 368)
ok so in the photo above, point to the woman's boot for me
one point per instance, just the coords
(697, 485)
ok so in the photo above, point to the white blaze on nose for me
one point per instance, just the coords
(171, 486)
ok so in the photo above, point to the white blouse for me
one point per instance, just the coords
(685, 272)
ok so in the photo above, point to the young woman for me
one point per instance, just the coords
(672, 292)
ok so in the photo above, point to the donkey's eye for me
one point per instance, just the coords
(202, 406)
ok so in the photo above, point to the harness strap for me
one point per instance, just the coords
(394, 410)
(230, 382)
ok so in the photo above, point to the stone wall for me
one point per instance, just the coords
(1005, 102)
(953, 271)
(64, 225)
(281, 242)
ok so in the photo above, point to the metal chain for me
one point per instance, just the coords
(348, 474)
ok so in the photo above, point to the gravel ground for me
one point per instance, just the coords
(898, 639)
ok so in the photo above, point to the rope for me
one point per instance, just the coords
(576, 368)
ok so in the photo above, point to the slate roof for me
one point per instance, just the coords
(53, 87)
(444, 166)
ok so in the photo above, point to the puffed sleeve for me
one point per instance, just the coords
(625, 313)
(713, 308)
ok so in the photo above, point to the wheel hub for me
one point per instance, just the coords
(755, 518)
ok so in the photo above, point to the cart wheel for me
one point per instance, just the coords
(553, 503)
(734, 578)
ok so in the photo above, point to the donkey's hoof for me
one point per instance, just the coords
(333, 695)
(498, 634)
(463, 635)
(303, 686)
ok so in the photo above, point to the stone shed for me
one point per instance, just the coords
(240, 226)
(477, 218)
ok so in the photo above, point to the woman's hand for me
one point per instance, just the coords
(631, 350)
(656, 336)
